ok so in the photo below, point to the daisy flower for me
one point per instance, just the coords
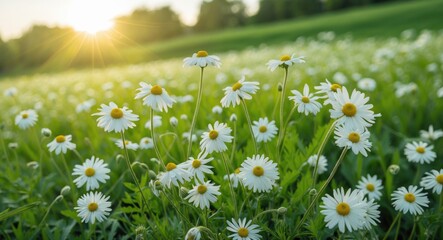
(155, 97)
(352, 111)
(157, 122)
(93, 206)
(10, 92)
(174, 174)
(328, 89)
(420, 152)
(129, 145)
(371, 186)
(240, 90)
(264, 131)
(259, 173)
(193, 234)
(409, 200)
(113, 118)
(92, 171)
(202, 59)
(61, 143)
(307, 102)
(355, 139)
(372, 217)
(322, 163)
(26, 119)
(197, 167)
(146, 143)
(345, 210)
(243, 230)
(431, 135)
(433, 180)
(215, 139)
(367, 84)
(201, 195)
(284, 62)
(234, 178)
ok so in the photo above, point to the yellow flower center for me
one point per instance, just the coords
(236, 86)
(237, 171)
(409, 197)
(305, 99)
(116, 113)
(334, 87)
(60, 139)
(258, 171)
(156, 90)
(243, 232)
(202, 54)
(92, 207)
(439, 178)
(213, 134)
(349, 109)
(89, 172)
(196, 163)
(370, 187)
(343, 209)
(202, 189)
(146, 141)
(170, 166)
(420, 149)
(25, 115)
(285, 58)
(354, 137)
(263, 129)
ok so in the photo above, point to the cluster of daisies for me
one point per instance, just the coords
(348, 210)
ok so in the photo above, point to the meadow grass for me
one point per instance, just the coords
(410, 58)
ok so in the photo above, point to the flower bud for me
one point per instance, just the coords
(13, 145)
(394, 169)
(282, 210)
(65, 190)
(119, 157)
(46, 132)
(33, 165)
(313, 192)
(217, 110)
(173, 121)
(233, 117)
(280, 87)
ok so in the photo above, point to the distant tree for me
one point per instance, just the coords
(218, 14)
(266, 12)
(145, 25)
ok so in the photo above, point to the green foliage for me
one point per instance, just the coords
(392, 63)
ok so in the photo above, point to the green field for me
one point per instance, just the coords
(382, 21)
(406, 66)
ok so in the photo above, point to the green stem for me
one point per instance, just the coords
(282, 101)
(68, 171)
(282, 132)
(134, 177)
(154, 142)
(320, 192)
(234, 142)
(231, 188)
(413, 229)
(170, 198)
(59, 197)
(320, 152)
(248, 118)
(392, 225)
(264, 212)
(197, 108)
(397, 231)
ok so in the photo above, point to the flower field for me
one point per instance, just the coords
(321, 138)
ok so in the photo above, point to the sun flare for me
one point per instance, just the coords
(90, 16)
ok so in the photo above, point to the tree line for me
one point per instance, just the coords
(60, 47)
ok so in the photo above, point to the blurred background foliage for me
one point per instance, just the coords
(141, 36)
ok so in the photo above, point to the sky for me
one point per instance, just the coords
(17, 16)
